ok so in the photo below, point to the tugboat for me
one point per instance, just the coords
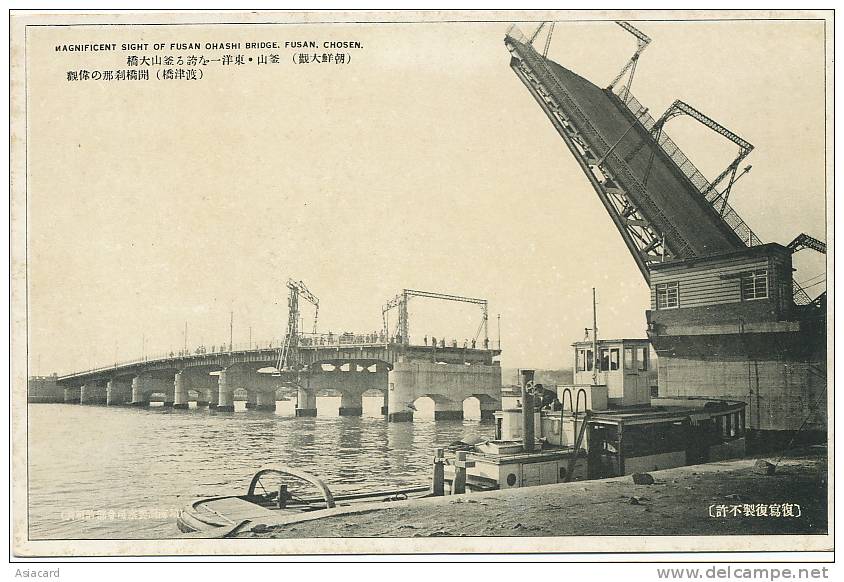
(607, 427)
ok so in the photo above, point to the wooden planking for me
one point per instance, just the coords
(705, 285)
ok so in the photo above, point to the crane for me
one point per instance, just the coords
(288, 347)
(400, 301)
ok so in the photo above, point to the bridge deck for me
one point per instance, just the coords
(366, 353)
(676, 204)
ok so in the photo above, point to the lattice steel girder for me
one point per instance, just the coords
(402, 299)
(642, 42)
(804, 241)
(640, 236)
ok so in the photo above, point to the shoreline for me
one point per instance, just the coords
(682, 501)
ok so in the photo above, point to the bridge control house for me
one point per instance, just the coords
(727, 325)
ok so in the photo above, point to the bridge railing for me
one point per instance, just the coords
(540, 66)
(306, 340)
(695, 176)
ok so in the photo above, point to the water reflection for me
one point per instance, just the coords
(99, 472)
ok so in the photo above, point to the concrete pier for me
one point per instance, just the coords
(265, 400)
(169, 394)
(306, 402)
(144, 385)
(197, 379)
(180, 389)
(226, 387)
(251, 399)
(71, 395)
(447, 409)
(92, 393)
(446, 384)
(212, 395)
(118, 391)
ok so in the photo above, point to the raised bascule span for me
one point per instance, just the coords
(727, 318)
(662, 205)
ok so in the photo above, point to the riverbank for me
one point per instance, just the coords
(724, 498)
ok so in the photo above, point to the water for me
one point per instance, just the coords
(97, 472)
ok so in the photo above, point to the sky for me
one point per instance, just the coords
(423, 163)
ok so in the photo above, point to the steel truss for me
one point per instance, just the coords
(400, 301)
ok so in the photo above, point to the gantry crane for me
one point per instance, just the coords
(287, 351)
(400, 301)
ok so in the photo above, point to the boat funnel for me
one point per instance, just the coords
(528, 436)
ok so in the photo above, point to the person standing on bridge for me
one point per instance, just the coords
(425, 340)
(473, 343)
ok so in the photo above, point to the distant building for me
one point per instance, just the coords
(44, 389)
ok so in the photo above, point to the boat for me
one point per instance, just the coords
(608, 423)
(274, 494)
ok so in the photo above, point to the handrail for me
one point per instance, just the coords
(311, 342)
(537, 64)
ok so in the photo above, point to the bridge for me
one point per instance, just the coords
(714, 284)
(350, 364)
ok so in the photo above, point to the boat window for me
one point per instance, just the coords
(668, 295)
(642, 357)
(605, 360)
(628, 358)
(614, 359)
(754, 285)
(581, 360)
(589, 360)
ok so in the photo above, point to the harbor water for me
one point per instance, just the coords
(119, 472)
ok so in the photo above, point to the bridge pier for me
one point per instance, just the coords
(145, 384)
(138, 396)
(225, 391)
(351, 403)
(118, 391)
(265, 400)
(306, 402)
(71, 395)
(197, 379)
(251, 398)
(92, 393)
(447, 384)
(169, 393)
(489, 405)
(212, 396)
(181, 384)
(446, 409)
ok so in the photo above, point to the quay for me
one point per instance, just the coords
(678, 503)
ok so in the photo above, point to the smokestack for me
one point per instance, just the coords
(528, 436)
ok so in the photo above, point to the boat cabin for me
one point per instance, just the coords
(623, 366)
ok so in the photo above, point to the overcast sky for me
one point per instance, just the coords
(424, 163)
